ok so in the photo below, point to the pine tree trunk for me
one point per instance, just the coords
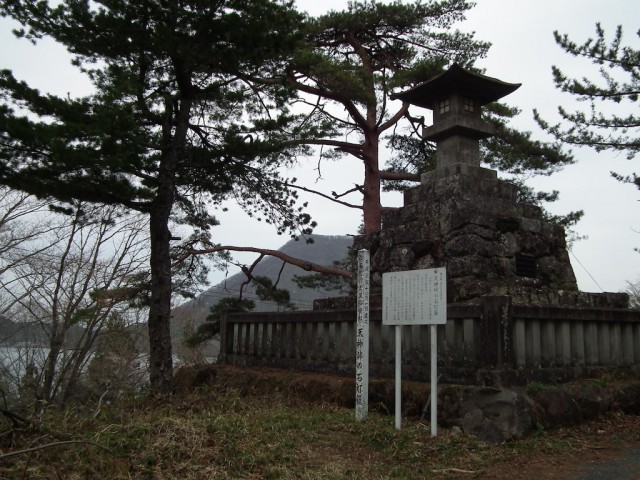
(160, 355)
(371, 200)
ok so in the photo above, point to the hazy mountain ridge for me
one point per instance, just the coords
(324, 250)
(32, 333)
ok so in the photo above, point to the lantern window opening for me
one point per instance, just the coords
(444, 106)
(469, 105)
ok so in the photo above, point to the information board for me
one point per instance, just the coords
(414, 297)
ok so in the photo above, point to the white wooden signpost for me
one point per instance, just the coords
(415, 297)
(362, 336)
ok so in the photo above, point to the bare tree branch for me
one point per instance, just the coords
(303, 264)
(328, 197)
(399, 176)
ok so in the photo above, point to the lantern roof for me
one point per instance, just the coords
(481, 88)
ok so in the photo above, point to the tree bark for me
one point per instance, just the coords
(371, 188)
(160, 354)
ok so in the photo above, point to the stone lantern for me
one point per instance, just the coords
(463, 217)
(498, 250)
(456, 98)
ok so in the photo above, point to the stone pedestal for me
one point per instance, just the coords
(463, 218)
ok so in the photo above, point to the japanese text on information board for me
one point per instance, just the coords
(414, 297)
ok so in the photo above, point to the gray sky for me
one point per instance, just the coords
(523, 51)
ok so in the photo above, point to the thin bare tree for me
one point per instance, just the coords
(74, 281)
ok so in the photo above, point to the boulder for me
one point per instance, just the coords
(495, 415)
(556, 407)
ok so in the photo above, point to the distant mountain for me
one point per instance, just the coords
(324, 250)
(32, 333)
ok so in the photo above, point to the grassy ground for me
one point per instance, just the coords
(228, 436)
(282, 428)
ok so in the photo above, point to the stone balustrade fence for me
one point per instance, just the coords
(492, 342)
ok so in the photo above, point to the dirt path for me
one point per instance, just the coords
(611, 464)
(605, 449)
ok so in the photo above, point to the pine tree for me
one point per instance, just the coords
(599, 126)
(166, 131)
(356, 59)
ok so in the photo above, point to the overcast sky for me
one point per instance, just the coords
(523, 50)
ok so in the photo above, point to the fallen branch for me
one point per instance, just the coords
(456, 470)
(95, 415)
(428, 404)
(594, 447)
(54, 444)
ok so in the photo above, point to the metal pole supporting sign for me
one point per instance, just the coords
(415, 297)
(398, 380)
(434, 380)
(362, 336)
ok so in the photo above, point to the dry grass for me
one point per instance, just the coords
(209, 435)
